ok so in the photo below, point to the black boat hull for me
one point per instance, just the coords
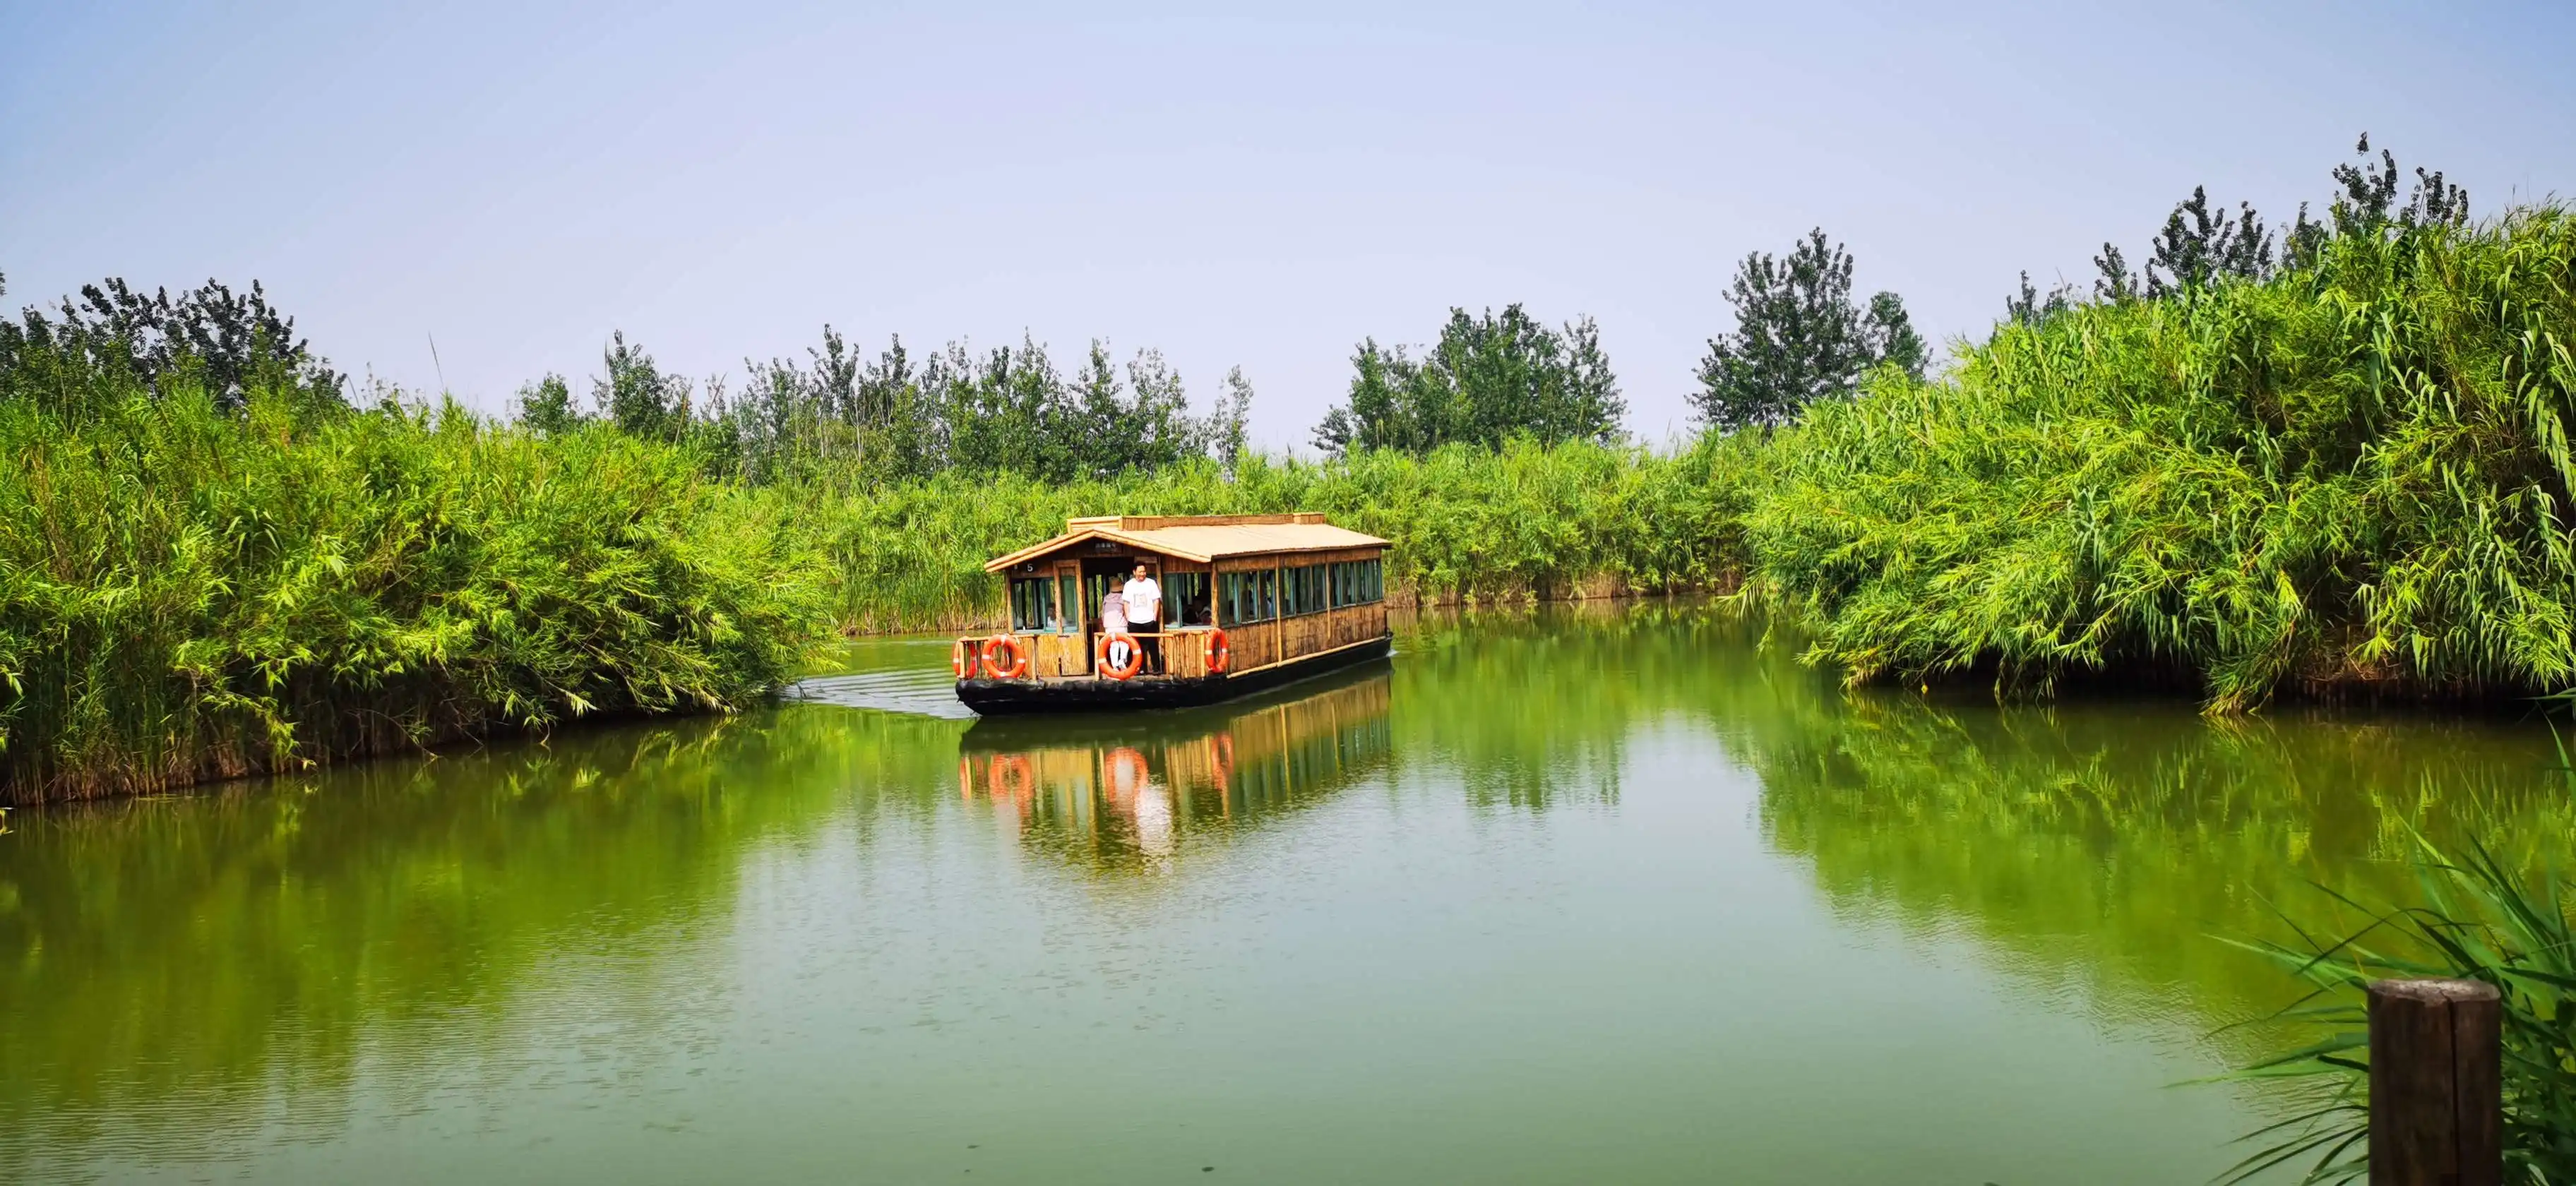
(1002, 697)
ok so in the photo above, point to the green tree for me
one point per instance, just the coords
(2030, 308)
(1227, 424)
(2114, 281)
(902, 436)
(546, 406)
(636, 396)
(1799, 337)
(1156, 429)
(2197, 247)
(1489, 378)
(1889, 335)
(226, 341)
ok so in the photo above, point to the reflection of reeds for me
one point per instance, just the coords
(197, 967)
(2108, 841)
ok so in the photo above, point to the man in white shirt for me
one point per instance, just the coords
(1145, 615)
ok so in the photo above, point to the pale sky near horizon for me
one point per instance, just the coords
(518, 180)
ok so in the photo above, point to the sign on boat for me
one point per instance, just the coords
(1244, 602)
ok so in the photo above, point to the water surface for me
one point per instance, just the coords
(1560, 898)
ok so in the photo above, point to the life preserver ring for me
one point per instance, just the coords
(1005, 658)
(1220, 654)
(961, 658)
(1121, 656)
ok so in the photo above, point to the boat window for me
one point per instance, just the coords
(1034, 605)
(1357, 582)
(1304, 592)
(1247, 597)
(1185, 599)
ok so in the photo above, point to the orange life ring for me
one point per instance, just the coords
(1110, 650)
(1005, 658)
(1220, 655)
(961, 658)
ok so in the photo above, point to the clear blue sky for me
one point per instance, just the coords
(719, 181)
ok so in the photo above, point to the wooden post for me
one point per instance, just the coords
(2436, 1084)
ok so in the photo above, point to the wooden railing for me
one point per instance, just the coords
(1054, 655)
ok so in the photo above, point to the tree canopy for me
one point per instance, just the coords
(1489, 378)
(226, 340)
(1799, 337)
(1006, 409)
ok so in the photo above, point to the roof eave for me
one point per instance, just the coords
(1071, 538)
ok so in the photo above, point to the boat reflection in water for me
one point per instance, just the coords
(1127, 793)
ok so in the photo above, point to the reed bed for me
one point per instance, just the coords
(188, 593)
(2353, 477)
(1469, 524)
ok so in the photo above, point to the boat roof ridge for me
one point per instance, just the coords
(1154, 522)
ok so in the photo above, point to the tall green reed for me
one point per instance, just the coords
(2355, 475)
(187, 593)
(1468, 523)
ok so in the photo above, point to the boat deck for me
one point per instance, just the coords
(1093, 694)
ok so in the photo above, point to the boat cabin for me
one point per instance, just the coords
(1246, 601)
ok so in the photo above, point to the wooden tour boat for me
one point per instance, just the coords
(1248, 602)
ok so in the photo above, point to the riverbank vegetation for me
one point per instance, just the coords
(192, 590)
(1469, 524)
(2326, 459)
(2351, 474)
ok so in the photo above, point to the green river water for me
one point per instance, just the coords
(1568, 897)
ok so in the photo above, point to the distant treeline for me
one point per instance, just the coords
(895, 418)
(2329, 457)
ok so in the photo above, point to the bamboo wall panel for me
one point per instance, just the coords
(1307, 634)
(1056, 656)
(1185, 653)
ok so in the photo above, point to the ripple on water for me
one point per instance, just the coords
(921, 692)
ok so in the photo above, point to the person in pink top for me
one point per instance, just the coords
(1113, 610)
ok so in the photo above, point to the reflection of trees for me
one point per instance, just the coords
(2099, 847)
(1124, 794)
(178, 973)
(2109, 845)
(1530, 710)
